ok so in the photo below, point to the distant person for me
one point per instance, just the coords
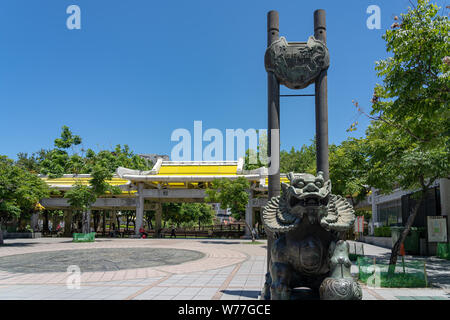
(143, 233)
(172, 233)
(113, 232)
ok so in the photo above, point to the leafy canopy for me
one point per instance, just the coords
(408, 139)
(20, 190)
(232, 194)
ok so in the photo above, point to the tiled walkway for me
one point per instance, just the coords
(230, 270)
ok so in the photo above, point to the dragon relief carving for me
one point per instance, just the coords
(307, 222)
(297, 64)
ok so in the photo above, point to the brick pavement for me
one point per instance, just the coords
(230, 270)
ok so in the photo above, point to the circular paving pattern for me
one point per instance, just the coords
(97, 259)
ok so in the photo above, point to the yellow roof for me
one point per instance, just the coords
(282, 179)
(198, 170)
(67, 181)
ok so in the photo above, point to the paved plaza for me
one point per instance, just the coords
(161, 269)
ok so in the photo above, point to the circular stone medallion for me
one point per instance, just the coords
(91, 260)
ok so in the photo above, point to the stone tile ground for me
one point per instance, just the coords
(230, 270)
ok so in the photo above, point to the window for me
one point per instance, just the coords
(390, 213)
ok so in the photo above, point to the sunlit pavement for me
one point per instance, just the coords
(227, 270)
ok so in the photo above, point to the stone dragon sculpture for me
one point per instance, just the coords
(307, 223)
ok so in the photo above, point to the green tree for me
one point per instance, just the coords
(232, 194)
(200, 213)
(171, 212)
(100, 166)
(408, 139)
(349, 169)
(58, 161)
(302, 161)
(255, 159)
(81, 197)
(20, 191)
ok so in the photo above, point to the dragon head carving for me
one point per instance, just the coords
(308, 196)
(305, 191)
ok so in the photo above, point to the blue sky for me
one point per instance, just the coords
(139, 69)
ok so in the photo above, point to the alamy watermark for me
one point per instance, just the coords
(374, 20)
(214, 145)
(74, 20)
(73, 281)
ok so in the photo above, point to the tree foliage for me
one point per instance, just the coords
(232, 194)
(20, 191)
(349, 169)
(187, 213)
(408, 139)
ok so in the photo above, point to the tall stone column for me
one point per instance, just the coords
(158, 217)
(139, 208)
(321, 92)
(67, 223)
(273, 112)
(249, 215)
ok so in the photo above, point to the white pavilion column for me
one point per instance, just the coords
(444, 190)
(139, 208)
(249, 215)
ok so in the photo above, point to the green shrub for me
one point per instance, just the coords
(382, 232)
(399, 280)
(407, 274)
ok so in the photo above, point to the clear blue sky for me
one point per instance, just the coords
(138, 69)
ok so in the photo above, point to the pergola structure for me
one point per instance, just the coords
(167, 181)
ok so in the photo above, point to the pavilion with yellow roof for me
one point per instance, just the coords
(167, 181)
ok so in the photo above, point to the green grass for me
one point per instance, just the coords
(398, 280)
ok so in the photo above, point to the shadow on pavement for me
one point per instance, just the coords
(17, 244)
(220, 242)
(243, 293)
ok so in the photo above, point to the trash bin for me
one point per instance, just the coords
(443, 250)
(412, 241)
(395, 234)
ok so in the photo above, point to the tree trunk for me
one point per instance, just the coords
(19, 222)
(45, 225)
(104, 222)
(250, 229)
(67, 223)
(1, 235)
(96, 219)
(396, 248)
(55, 222)
(86, 221)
